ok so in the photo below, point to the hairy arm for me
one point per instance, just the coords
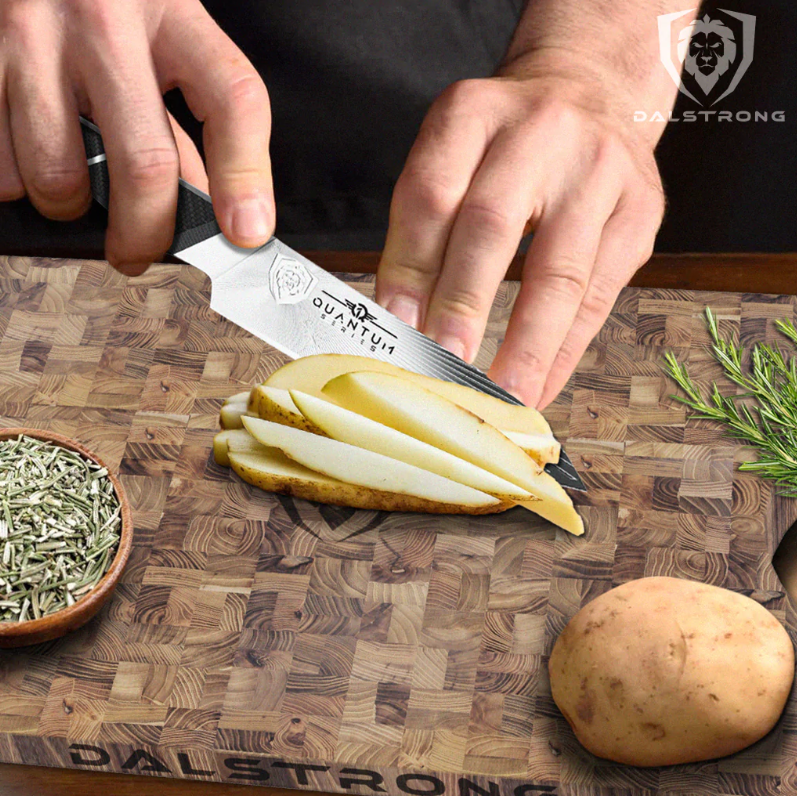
(614, 44)
(550, 142)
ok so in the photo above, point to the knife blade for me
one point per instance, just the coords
(292, 304)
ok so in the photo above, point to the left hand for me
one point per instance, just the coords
(550, 148)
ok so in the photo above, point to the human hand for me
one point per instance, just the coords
(542, 144)
(112, 60)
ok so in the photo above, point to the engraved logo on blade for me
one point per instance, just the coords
(290, 282)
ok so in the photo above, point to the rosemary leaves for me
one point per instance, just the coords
(764, 415)
(60, 524)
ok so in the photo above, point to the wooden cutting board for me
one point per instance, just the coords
(263, 640)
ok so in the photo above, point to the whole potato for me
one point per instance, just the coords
(661, 671)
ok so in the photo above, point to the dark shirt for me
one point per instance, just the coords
(350, 83)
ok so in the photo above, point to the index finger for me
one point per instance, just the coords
(225, 92)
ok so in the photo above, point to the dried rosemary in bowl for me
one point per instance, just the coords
(60, 524)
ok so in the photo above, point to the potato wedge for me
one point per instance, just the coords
(238, 398)
(542, 448)
(365, 468)
(414, 410)
(554, 504)
(409, 408)
(273, 471)
(237, 440)
(272, 403)
(310, 374)
(230, 416)
(347, 426)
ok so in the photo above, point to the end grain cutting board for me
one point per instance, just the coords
(264, 640)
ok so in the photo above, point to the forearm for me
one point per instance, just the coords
(613, 44)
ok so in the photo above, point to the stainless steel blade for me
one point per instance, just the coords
(294, 305)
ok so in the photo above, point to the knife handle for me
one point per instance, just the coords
(195, 220)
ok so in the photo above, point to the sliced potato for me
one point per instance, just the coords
(411, 409)
(237, 440)
(554, 504)
(238, 398)
(273, 471)
(272, 403)
(347, 426)
(365, 468)
(230, 416)
(541, 447)
(310, 374)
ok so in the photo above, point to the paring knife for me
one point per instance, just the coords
(298, 308)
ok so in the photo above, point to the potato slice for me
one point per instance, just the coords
(541, 447)
(272, 403)
(230, 416)
(409, 408)
(237, 440)
(347, 426)
(275, 404)
(554, 504)
(273, 471)
(310, 374)
(238, 398)
(413, 410)
(365, 468)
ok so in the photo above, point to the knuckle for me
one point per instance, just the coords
(609, 153)
(561, 115)
(409, 272)
(56, 182)
(490, 221)
(601, 295)
(152, 168)
(528, 361)
(100, 15)
(19, 23)
(246, 90)
(426, 193)
(462, 304)
(463, 95)
(567, 279)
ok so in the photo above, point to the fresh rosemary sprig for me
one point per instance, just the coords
(764, 415)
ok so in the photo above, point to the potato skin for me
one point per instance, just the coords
(662, 671)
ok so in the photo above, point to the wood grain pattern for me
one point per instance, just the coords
(260, 640)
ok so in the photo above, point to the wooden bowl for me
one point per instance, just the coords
(34, 631)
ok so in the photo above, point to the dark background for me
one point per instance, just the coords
(350, 83)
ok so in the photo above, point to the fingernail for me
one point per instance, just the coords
(250, 220)
(453, 344)
(405, 309)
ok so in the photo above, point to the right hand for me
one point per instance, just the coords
(112, 60)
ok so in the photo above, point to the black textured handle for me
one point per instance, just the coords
(195, 220)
